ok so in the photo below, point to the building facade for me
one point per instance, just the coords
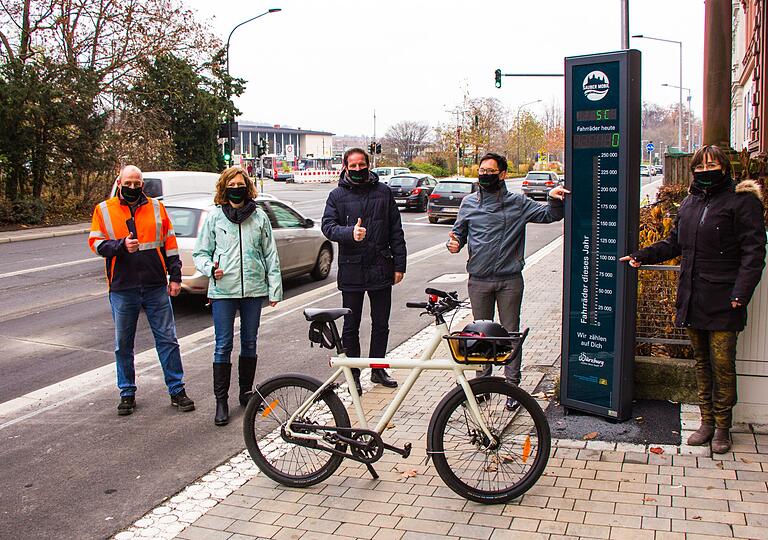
(304, 142)
(749, 89)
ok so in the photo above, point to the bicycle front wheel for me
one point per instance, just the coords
(490, 471)
(266, 415)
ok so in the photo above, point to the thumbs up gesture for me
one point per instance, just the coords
(453, 244)
(131, 243)
(358, 233)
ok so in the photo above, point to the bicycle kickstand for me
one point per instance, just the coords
(373, 472)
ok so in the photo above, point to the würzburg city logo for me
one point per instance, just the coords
(596, 85)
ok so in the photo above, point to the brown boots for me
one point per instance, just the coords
(702, 435)
(721, 442)
(720, 437)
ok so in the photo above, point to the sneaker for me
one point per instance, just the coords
(181, 401)
(512, 404)
(127, 405)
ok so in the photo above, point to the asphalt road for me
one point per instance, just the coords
(71, 467)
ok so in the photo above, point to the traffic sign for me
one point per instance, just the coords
(649, 147)
(289, 152)
(601, 222)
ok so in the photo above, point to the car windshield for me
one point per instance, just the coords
(153, 187)
(537, 176)
(185, 221)
(403, 181)
(380, 171)
(453, 187)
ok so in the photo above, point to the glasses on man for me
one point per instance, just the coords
(488, 171)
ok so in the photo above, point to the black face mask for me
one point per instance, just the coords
(130, 195)
(705, 179)
(237, 194)
(359, 176)
(489, 182)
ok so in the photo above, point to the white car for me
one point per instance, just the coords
(300, 244)
(161, 184)
(386, 173)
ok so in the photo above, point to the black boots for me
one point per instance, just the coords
(246, 371)
(127, 405)
(380, 376)
(221, 377)
(182, 401)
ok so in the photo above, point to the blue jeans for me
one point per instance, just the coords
(224, 310)
(126, 306)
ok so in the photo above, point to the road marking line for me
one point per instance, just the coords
(49, 267)
(98, 378)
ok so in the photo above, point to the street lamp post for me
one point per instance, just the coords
(690, 117)
(520, 108)
(229, 85)
(680, 86)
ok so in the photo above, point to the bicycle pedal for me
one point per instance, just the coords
(405, 451)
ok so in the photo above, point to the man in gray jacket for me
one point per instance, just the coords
(492, 222)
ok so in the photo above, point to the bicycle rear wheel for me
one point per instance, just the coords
(490, 471)
(267, 412)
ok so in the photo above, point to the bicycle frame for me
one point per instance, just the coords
(416, 365)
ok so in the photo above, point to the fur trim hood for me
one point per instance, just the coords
(750, 186)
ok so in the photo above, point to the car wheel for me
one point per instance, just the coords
(432, 219)
(423, 205)
(323, 264)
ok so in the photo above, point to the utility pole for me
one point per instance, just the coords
(374, 138)
(624, 24)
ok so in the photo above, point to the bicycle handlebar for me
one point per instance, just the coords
(418, 305)
(436, 292)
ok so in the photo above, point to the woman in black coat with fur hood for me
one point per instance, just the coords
(720, 233)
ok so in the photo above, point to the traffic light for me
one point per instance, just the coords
(498, 78)
(261, 147)
(378, 148)
(227, 152)
(372, 148)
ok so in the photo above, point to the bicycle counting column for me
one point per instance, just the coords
(600, 224)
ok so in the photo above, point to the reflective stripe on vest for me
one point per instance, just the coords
(171, 252)
(107, 220)
(150, 245)
(97, 234)
(158, 224)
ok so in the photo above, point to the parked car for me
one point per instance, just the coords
(161, 184)
(301, 245)
(385, 174)
(645, 170)
(412, 190)
(446, 198)
(539, 183)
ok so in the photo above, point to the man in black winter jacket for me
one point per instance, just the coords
(361, 215)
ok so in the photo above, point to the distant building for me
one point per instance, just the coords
(749, 89)
(306, 142)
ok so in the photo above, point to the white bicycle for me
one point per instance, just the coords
(482, 450)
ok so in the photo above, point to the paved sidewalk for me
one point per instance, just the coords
(590, 489)
(38, 233)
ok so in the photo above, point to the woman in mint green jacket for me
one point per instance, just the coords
(237, 248)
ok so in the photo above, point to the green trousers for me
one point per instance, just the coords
(715, 355)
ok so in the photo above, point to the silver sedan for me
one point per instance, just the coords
(301, 245)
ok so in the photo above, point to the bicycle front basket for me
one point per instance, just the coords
(475, 349)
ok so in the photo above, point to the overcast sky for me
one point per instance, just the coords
(327, 64)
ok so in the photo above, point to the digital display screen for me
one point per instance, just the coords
(595, 233)
(596, 140)
(596, 114)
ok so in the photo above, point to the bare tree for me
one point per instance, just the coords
(408, 138)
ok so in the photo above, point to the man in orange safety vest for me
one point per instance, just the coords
(134, 235)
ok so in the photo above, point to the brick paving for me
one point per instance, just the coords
(600, 490)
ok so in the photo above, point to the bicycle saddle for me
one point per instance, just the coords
(325, 315)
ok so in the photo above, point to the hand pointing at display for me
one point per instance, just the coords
(558, 193)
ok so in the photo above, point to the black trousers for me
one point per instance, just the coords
(381, 305)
